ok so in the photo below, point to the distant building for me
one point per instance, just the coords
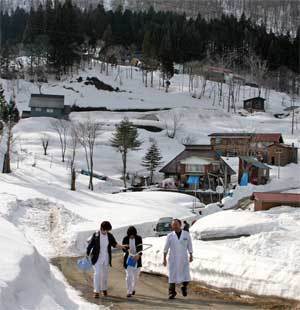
(282, 154)
(256, 104)
(217, 74)
(244, 143)
(266, 201)
(258, 172)
(48, 106)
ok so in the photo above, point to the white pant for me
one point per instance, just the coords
(132, 275)
(100, 277)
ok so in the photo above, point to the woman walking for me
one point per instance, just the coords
(100, 250)
(132, 259)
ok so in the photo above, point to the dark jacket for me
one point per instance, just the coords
(94, 246)
(186, 227)
(139, 249)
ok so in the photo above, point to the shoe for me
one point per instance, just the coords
(96, 295)
(133, 293)
(184, 291)
(104, 293)
(128, 295)
(172, 295)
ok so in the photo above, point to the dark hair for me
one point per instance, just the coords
(106, 226)
(131, 231)
(178, 221)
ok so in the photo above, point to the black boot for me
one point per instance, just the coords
(184, 289)
(172, 291)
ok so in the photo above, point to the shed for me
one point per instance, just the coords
(48, 106)
(282, 154)
(258, 172)
(255, 104)
(266, 201)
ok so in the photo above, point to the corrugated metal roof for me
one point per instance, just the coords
(47, 101)
(257, 137)
(274, 197)
(253, 161)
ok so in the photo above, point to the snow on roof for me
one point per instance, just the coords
(253, 161)
(232, 162)
(47, 101)
(195, 160)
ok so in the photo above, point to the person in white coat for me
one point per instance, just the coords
(135, 248)
(99, 250)
(180, 249)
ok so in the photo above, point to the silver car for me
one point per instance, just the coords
(163, 226)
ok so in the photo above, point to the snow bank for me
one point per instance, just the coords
(289, 179)
(26, 279)
(266, 263)
(232, 223)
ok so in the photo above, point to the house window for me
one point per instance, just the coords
(38, 109)
(195, 168)
(50, 110)
(218, 140)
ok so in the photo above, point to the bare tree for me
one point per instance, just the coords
(73, 144)
(258, 69)
(61, 127)
(87, 133)
(173, 124)
(45, 139)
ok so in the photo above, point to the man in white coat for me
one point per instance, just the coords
(180, 248)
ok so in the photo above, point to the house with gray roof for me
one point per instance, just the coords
(48, 106)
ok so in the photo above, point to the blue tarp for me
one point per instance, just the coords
(193, 180)
(245, 179)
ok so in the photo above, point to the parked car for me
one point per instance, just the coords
(163, 226)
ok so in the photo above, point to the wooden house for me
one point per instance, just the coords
(266, 201)
(282, 154)
(217, 74)
(258, 172)
(256, 104)
(48, 106)
(196, 161)
(244, 143)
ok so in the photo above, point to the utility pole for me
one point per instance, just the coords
(278, 164)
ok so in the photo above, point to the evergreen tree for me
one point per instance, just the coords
(124, 139)
(152, 159)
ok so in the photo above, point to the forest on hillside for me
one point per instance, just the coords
(61, 34)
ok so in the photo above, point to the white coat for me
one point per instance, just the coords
(178, 262)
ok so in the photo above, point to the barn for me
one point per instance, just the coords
(256, 104)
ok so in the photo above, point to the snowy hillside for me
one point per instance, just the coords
(39, 212)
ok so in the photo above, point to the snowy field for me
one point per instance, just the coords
(39, 212)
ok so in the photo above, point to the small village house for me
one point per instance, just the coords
(48, 106)
(256, 104)
(244, 143)
(197, 162)
(258, 172)
(216, 74)
(266, 201)
(282, 154)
